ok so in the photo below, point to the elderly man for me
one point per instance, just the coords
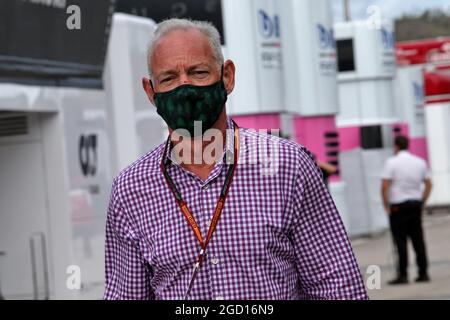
(182, 227)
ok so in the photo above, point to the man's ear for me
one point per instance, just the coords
(148, 88)
(228, 75)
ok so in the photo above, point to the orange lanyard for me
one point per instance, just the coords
(219, 206)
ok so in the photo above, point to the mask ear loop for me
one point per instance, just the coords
(151, 85)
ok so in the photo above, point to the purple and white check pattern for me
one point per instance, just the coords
(279, 237)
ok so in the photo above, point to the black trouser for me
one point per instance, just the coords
(406, 221)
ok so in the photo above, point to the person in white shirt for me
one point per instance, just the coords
(406, 185)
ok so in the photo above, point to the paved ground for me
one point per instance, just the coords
(379, 251)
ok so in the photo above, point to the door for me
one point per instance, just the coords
(23, 218)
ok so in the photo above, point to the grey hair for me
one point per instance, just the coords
(169, 25)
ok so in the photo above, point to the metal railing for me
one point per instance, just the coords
(2, 253)
(37, 240)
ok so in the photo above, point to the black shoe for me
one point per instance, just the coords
(423, 278)
(399, 280)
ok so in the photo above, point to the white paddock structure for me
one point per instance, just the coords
(59, 151)
(366, 64)
(432, 58)
(35, 224)
(437, 113)
(310, 87)
(285, 59)
(410, 107)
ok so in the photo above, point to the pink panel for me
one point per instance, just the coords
(404, 128)
(418, 146)
(309, 131)
(334, 178)
(349, 138)
(259, 121)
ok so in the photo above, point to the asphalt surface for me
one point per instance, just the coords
(379, 251)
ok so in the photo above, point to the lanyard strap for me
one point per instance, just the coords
(220, 203)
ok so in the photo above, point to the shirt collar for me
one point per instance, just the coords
(228, 147)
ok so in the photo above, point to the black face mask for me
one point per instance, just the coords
(182, 106)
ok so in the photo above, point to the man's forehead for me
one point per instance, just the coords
(184, 33)
(191, 43)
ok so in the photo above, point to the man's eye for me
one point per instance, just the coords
(200, 72)
(166, 79)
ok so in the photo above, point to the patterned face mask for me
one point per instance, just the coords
(183, 106)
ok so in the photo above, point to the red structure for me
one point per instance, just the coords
(434, 57)
(433, 51)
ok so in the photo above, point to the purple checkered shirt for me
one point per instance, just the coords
(279, 237)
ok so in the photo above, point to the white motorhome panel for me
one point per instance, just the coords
(376, 100)
(349, 100)
(255, 47)
(22, 167)
(239, 47)
(309, 57)
(35, 223)
(438, 132)
(409, 99)
(373, 48)
(373, 162)
(366, 64)
(267, 31)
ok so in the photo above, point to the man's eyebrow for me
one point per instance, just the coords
(167, 73)
(190, 68)
(198, 65)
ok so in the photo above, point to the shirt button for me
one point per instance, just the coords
(219, 298)
(208, 223)
(214, 260)
(205, 187)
